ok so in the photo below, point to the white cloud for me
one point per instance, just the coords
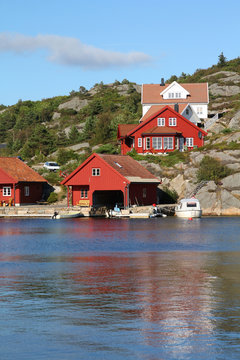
(70, 51)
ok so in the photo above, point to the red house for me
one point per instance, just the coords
(110, 179)
(163, 131)
(19, 184)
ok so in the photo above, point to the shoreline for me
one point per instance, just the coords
(48, 211)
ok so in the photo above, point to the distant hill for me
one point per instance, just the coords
(69, 128)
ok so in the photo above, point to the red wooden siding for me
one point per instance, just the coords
(109, 179)
(149, 129)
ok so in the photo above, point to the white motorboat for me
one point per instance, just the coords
(188, 208)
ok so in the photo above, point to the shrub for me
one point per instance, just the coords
(172, 195)
(52, 198)
(212, 169)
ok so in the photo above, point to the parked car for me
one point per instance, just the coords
(51, 166)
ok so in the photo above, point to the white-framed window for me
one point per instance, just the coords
(26, 191)
(95, 171)
(161, 121)
(147, 143)
(84, 194)
(6, 191)
(157, 143)
(172, 121)
(144, 192)
(176, 95)
(199, 110)
(139, 142)
(189, 142)
(168, 143)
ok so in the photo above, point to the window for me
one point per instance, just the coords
(187, 112)
(95, 172)
(157, 143)
(189, 142)
(26, 190)
(6, 191)
(161, 121)
(147, 143)
(84, 193)
(172, 122)
(139, 142)
(168, 143)
(144, 192)
(176, 95)
(199, 110)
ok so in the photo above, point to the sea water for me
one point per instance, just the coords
(149, 289)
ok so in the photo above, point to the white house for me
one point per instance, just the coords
(193, 98)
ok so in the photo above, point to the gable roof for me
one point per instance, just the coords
(19, 171)
(125, 166)
(162, 130)
(198, 93)
(123, 129)
(157, 113)
(155, 108)
(178, 86)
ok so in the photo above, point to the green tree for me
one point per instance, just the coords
(221, 60)
(73, 135)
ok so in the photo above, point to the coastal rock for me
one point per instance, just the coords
(235, 122)
(224, 90)
(75, 104)
(231, 182)
(229, 201)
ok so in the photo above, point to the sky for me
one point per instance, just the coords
(51, 47)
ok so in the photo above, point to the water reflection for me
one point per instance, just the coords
(160, 298)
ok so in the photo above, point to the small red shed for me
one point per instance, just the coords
(19, 184)
(104, 180)
(163, 131)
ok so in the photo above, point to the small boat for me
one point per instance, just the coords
(188, 208)
(67, 215)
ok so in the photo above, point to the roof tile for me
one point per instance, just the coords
(19, 171)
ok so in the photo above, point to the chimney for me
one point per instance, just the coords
(176, 107)
(162, 82)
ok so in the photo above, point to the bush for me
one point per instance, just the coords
(52, 198)
(172, 194)
(212, 169)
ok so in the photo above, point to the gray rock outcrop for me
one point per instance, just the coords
(75, 104)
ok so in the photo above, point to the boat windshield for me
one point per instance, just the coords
(191, 204)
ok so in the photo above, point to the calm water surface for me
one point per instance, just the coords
(120, 289)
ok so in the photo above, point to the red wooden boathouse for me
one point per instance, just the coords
(104, 180)
(19, 184)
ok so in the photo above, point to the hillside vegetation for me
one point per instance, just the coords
(68, 128)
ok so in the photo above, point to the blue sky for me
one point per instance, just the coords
(50, 47)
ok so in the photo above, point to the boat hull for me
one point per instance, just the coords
(188, 213)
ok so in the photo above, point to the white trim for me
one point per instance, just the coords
(190, 142)
(172, 121)
(139, 142)
(158, 144)
(7, 190)
(161, 121)
(95, 171)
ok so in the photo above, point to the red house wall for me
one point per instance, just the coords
(108, 180)
(187, 129)
(136, 192)
(35, 193)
